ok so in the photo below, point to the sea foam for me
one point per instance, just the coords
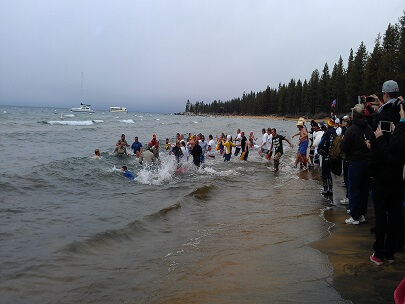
(129, 121)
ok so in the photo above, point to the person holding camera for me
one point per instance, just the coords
(354, 145)
(386, 179)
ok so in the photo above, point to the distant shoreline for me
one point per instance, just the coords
(272, 117)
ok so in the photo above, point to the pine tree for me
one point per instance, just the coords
(324, 90)
(389, 57)
(351, 91)
(338, 85)
(306, 108)
(373, 65)
(297, 107)
(313, 85)
(400, 78)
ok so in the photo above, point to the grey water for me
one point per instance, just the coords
(73, 229)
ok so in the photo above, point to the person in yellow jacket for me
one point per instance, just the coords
(228, 144)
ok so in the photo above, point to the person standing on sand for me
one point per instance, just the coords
(277, 143)
(323, 150)
(354, 145)
(387, 180)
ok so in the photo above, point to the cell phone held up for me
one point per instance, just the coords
(385, 126)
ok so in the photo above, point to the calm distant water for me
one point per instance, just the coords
(72, 229)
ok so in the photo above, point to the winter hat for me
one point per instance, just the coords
(390, 86)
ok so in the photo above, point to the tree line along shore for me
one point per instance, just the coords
(364, 74)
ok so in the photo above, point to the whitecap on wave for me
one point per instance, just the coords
(69, 115)
(129, 121)
(71, 123)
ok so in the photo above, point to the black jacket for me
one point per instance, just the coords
(393, 155)
(326, 142)
(353, 142)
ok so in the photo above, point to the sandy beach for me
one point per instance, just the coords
(348, 248)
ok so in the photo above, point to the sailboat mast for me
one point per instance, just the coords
(81, 90)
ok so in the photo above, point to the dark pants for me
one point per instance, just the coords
(197, 161)
(326, 175)
(358, 183)
(237, 150)
(345, 173)
(389, 218)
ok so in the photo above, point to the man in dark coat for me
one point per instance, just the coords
(387, 181)
(354, 145)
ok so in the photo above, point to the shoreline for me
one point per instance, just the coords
(270, 117)
(348, 248)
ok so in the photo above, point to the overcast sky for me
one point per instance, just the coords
(152, 56)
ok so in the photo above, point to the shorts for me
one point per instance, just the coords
(265, 151)
(302, 148)
(227, 157)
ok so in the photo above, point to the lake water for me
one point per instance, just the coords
(73, 229)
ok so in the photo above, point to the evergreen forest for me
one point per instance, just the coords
(364, 74)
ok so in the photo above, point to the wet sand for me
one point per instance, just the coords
(348, 247)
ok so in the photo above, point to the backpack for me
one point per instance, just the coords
(334, 151)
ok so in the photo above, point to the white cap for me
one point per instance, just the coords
(337, 120)
(228, 138)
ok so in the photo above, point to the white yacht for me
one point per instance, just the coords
(83, 108)
(118, 109)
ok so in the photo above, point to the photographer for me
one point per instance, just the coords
(386, 182)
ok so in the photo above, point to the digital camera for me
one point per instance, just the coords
(398, 102)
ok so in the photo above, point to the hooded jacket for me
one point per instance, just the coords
(353, 143)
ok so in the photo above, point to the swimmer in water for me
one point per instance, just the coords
(96, 154)
(127, 173)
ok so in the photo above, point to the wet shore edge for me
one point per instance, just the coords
(349, 247)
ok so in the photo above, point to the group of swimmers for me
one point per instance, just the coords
(195, 146)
